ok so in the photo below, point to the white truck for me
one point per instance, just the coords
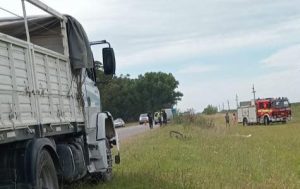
(169, 114)
(51, 124)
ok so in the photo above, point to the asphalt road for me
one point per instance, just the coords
(127, 132)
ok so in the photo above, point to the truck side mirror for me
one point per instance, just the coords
(109, 62)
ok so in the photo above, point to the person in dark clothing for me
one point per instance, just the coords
(164, 115)
(150, 120)
(160, 118)
(227, 120)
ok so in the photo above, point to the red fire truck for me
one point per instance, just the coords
(264, 111)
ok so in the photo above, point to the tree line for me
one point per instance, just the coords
(127, 97)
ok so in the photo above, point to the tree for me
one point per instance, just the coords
(127, 98)
(210, 109)
(157, 90)
(116, 94)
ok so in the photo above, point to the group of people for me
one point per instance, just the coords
(227, 119)
(161, 116)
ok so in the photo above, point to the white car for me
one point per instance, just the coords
(119, 122)
(143, 119)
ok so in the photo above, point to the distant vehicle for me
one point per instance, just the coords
(169, 114)
(143, 119)
(119, 122)
(264, 111)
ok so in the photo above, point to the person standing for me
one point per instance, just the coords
(227, 120)
(164, 115)
(150, 120)
(160, 118)
(234, 120)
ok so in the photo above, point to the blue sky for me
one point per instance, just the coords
(215, 48)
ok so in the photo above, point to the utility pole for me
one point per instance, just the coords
(228, 105)
(223, 106)
(253, 91)
(219, 108)
(237, 101)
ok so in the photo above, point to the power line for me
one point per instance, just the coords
(54, 32)
(10, 12)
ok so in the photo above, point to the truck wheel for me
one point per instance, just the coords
(245, 122)
(45, 172)
(266, 120)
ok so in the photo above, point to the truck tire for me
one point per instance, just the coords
(266, 121)
(45, 172)
(245, 122)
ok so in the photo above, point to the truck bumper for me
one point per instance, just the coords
(279, 119)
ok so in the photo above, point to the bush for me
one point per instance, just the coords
(194, 120)
(210, 109)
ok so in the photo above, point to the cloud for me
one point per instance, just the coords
(193, 47)
(196, 69)
(214, 44)
(287, 58)
(199, 93)
(280, 77)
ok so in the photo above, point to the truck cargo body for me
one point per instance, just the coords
(51, 124)
(38, 92)
(247, 115)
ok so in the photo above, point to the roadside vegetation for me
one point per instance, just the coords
(203, 153)
(127, 97)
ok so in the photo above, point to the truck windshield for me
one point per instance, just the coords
(280, 103)
(286, 104)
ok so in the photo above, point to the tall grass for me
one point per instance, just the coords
(219, 157)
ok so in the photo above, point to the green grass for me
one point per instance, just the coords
(215, 157)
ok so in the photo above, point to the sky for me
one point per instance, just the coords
(216, 49)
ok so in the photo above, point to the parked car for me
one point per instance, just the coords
(143, 119)
(119, 122)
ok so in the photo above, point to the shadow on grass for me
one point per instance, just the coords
(138, 180)
(274, 124)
